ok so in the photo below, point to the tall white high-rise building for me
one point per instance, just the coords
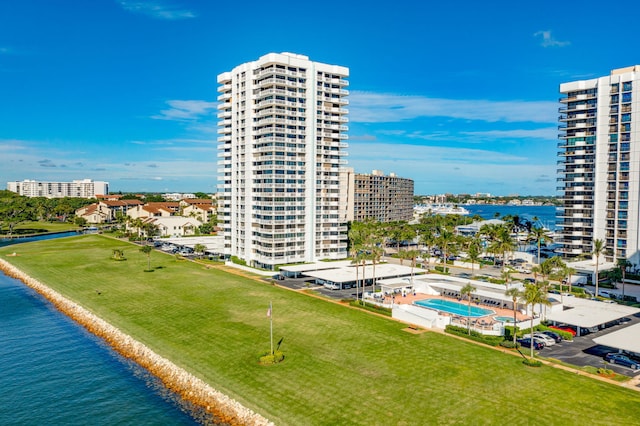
(282, 138)
(599, 165)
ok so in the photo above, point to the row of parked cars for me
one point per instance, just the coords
(172, 248)
(540, 339)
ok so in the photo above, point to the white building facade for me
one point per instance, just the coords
(599, 165)
(282, 138)
(85, 188)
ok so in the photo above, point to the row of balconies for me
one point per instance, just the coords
(280, 71)
(578, 97)
(279, 81)
(579, 107)
(338, 81)
(574, 116)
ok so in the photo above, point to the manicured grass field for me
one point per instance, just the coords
(342, 366)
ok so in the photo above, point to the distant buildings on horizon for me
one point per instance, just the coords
(85, 188)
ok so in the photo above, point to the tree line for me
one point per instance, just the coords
(15, 209)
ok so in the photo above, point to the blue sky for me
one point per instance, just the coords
(460, 96)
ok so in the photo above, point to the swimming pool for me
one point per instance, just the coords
(453, 308)
(504, 319)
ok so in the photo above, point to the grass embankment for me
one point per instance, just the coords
(342, 366)
(33, 228)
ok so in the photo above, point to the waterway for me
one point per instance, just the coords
(546, 214)
(56, 373)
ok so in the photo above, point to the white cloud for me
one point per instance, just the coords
(548, 40)
(158, 9)
(367, 107)
(456, 169)
(186, 110)
(544, 133)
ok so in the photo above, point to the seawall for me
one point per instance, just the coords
(224, 409)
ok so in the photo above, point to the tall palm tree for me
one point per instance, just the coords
(356, 240)
(598, 250)
(376, 255)
(623, 264)
(428, 239)
(568, 272)
(412, 255)
(515, 294)
(539, 235)
(503, 244)
(473, 252)
(534, 295)
(445, 238)
(468, 290)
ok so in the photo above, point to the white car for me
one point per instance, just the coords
(541, 338)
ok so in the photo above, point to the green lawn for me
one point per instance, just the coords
(28, 228)
(342, 366)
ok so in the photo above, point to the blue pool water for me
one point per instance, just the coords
(453, 308)
(504, 319)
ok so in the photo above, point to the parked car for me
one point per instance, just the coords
(527, 342)
(564, 328)
(548, 341)
(540, 339)
(617, 358)
(555, 336)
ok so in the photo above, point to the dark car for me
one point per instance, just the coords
(616, 358)
(553, 335)
(526, 342)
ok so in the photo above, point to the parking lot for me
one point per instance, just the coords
(582, 351)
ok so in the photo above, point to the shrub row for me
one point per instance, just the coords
(475, 336)
(370, 307)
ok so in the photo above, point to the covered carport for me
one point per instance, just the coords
(627, 339)
(345, 277)
(295, 271)
(589, 314)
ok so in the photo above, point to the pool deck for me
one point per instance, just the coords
(487, 321)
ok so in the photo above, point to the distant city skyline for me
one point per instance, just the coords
(460, 97)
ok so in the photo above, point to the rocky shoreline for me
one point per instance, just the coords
(224, 410)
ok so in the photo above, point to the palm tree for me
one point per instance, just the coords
(568, 272)
(515, 294)
(428, 239)
(412, 255)
(468, 290)
(199, 249)
(534, 295)
(473, 252)
(146, 249)
(445, 238)
(356, 239)
(376, 255)
(598, 250)
(503, 243)
(623, 264)
(539, 235)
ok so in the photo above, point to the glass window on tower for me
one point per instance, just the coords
(626, 86)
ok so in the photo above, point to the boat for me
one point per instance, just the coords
(442, 209)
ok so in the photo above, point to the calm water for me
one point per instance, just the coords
(546, 214)
(54, 372)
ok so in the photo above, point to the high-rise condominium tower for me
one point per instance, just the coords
(281, 134)
(599, 165)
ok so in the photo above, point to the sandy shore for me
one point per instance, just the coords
(221, 407)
